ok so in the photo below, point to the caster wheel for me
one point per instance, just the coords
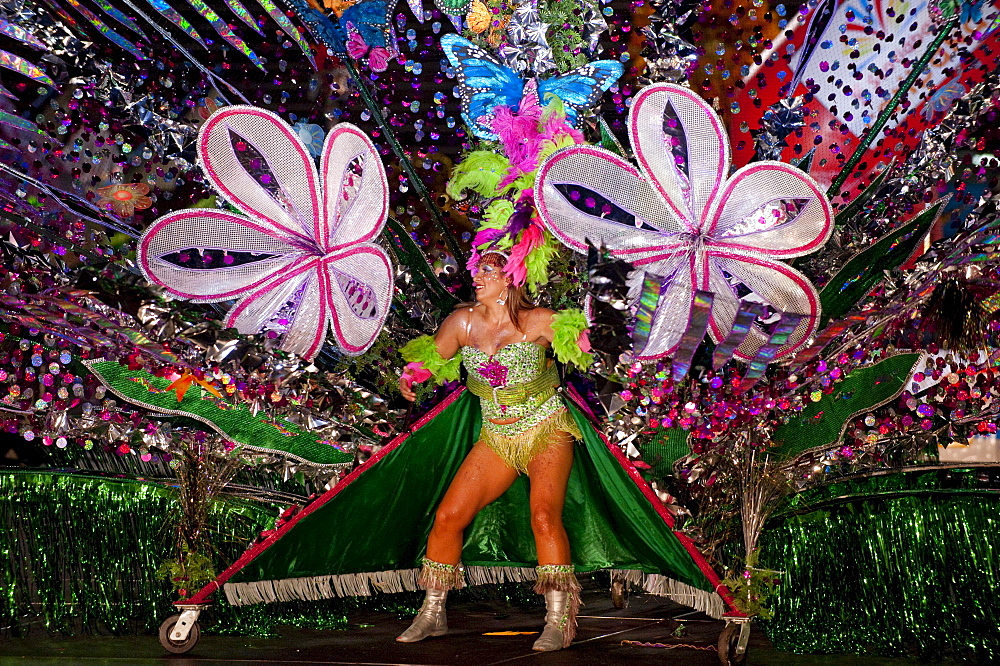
(728, 641)
(178, 647)
(619, 593)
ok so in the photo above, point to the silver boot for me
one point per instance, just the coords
(556, 620)
(430, 621)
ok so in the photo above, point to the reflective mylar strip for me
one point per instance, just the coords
(745, 318)
(789, 322)
(222, 28)
(20, 123)
(105, 30)
(22, 66)
(171, 15)
(20, 34)
(117, 15)
(244, 15)
(290, 30)
(648, 299)
(701, 308)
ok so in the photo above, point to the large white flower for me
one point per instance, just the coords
(300, 260)
(682, 217)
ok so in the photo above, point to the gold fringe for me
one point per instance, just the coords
(519, 450)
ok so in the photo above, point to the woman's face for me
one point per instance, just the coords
(490, 281)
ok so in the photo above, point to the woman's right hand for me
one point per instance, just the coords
(406, 388)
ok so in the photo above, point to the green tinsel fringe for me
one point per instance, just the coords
(79, 554)
(907, 564)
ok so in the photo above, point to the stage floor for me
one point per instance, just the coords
(370, 641)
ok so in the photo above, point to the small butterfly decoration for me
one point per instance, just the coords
(358, 47)
(481, 20)
(485, 83)
(360, 29)
(298, 261)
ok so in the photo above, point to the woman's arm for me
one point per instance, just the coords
(434, 356)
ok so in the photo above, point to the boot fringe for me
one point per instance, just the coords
(562, 578)
(439, 576)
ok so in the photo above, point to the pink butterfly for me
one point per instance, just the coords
(357, 48)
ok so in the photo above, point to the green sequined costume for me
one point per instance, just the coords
(540, 413)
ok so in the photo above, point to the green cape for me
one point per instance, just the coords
(369, 531)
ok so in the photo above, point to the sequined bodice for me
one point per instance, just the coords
(512, 364)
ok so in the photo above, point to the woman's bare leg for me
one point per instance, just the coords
(549, 474)
(482, 478)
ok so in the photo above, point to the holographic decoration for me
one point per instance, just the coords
(741, 329)
(20, 123)
(224, 31)
(105, 30)
(695, 333)
(13, 31)
(645, 308)
(300, 260)
(22, 66)
(117, 15)
(7, 93)
(290, 30)
(758, 365)
(681, 216)
(174, 17)
(244, 15)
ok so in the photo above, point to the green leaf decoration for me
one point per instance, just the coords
(865, 270)
(661, 452)
(408, 253)
(609, 141)
(255, 433)
(822, 423)
(845, 214)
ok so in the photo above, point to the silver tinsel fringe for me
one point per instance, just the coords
(316, 588)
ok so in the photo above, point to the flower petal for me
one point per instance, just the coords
(210, 229)
(787, 234)
(357, 283)
(298, 212)
(689, 163)
(780, 286)
(259, 306)
(620, 183)
(357, 192)
(307, 332)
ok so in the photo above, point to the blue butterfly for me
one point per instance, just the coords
(484, 84)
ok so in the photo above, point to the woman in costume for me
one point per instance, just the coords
(502, 341)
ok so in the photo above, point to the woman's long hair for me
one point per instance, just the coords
(517, 296)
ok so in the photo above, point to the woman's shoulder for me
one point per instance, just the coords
(539, 317)
(460, 316)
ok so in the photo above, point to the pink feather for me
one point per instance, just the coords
(530, 239)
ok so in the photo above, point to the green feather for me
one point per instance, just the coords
(567, 325)
(536, 264)
(481, 171)
(424, 350)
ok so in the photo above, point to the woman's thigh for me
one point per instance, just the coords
(549, 474)
(482, 478)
